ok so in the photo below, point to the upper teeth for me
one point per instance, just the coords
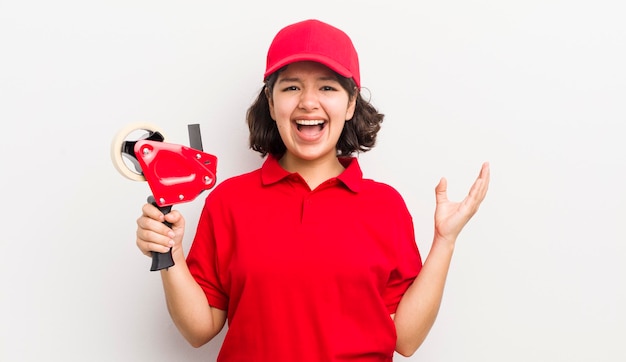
(309, 122)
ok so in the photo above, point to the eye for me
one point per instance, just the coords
(290, 88)
(328, 88)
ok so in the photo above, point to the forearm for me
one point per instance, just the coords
(419, 306)
(188, 306)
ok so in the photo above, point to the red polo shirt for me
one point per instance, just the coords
(305, 275)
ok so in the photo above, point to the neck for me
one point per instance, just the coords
(315, 171)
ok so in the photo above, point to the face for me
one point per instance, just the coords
(310, 109)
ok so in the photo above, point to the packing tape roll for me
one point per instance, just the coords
(116, 148)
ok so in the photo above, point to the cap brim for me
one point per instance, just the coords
(341, 70)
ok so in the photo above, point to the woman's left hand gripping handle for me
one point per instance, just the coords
(161, 260)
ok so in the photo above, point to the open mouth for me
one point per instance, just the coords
(310, 125)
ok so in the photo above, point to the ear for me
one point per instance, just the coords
(351, 107)
(270, 102)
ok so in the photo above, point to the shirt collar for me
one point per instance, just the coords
(351, 177)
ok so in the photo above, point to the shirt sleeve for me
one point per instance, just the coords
(408, 261)
(202, 259)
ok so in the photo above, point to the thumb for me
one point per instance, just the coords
(441, 190)
(176, 219)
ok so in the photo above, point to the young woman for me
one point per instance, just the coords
(305, 258)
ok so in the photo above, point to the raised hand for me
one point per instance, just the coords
(451, 217)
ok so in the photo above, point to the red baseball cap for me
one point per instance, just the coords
(313, 40)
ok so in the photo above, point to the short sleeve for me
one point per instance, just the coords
(202, 259)
(408, 261)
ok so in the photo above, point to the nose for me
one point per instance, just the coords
(308, 99)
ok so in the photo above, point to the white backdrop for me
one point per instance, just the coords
(537, 88)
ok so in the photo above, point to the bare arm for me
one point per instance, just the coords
(419, 306)
(196, 320)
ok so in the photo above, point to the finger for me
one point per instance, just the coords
(478, 190)
(147, 247)
(147, 228)
(149, 239)
(152, 212)
(441, 190)
(150, 236)
(475, 196)
(176, 219)
(485, 175)
(485, 169)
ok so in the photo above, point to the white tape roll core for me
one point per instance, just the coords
(116, 148)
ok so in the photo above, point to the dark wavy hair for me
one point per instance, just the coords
(358, 135)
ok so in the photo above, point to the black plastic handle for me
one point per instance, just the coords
(161, 260)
